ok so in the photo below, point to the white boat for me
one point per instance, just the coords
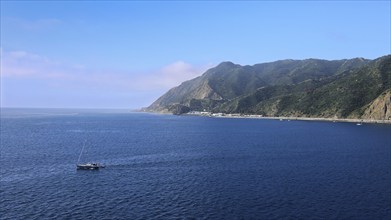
(88, 165)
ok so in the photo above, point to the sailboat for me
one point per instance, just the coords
(89, 165)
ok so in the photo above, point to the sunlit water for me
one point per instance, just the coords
(163, 166)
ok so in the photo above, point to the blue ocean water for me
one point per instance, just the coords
(164, 167)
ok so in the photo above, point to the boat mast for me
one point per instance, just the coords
(81, 152)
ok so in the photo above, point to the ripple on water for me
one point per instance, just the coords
(185, 167)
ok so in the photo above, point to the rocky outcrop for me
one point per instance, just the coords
(179, 109)
(380, 108)
(204, 91)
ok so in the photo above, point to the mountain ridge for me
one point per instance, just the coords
(311, 88)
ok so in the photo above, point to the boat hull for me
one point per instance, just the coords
(89, 166)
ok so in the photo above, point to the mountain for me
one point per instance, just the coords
(349, 88)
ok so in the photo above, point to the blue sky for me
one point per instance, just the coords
(126, 54)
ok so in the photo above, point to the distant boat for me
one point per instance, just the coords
(89, 165)
(359, 123)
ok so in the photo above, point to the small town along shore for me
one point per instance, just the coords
(282, 118)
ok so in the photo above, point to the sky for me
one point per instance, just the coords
(126, 54)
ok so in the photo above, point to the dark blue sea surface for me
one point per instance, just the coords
(164, 167)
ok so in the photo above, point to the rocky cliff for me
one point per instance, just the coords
(380, 108)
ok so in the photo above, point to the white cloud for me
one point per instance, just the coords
(173, 74)
(30, 79)
(22, 64)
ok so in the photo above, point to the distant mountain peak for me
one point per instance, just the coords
(226, 63)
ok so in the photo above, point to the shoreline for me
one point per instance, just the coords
(288, 118)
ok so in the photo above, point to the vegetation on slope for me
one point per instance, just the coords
(310, 88)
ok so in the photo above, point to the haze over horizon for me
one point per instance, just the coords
(127, 54)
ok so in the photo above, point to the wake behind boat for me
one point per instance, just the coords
(89, 165)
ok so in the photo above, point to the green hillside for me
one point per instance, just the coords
(310, 88)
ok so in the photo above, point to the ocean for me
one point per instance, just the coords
(189, 167)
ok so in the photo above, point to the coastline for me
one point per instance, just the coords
(286, 118)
